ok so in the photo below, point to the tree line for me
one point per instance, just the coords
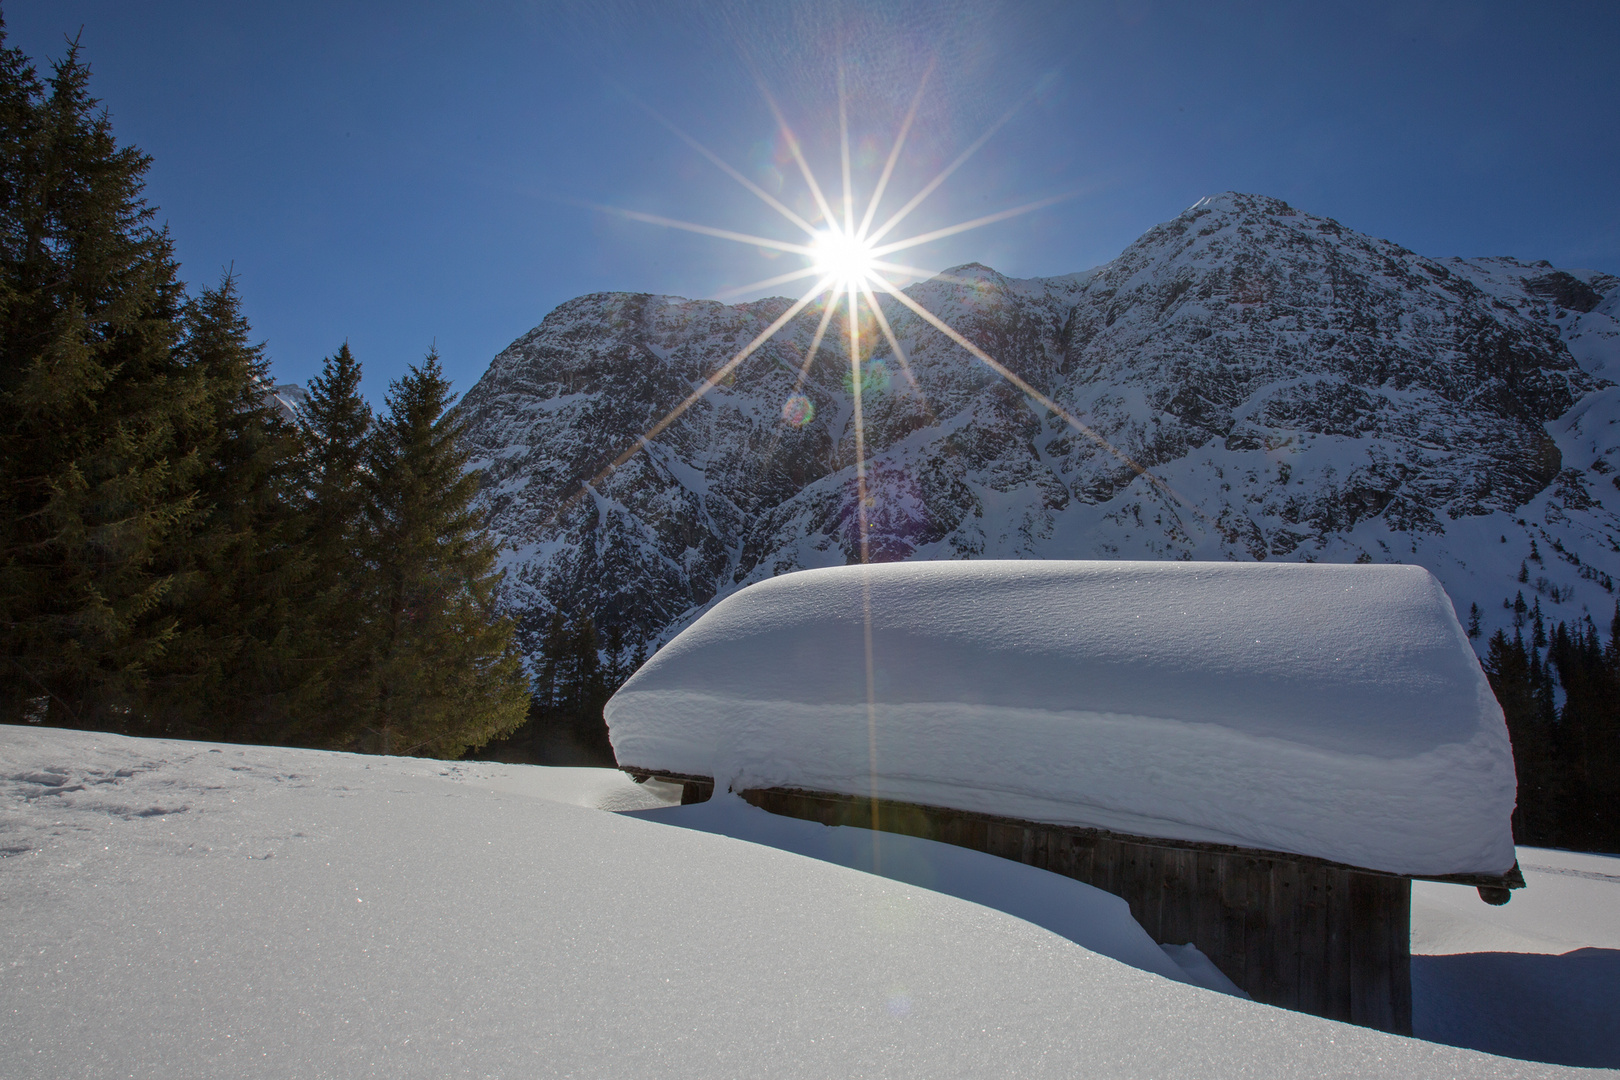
(177, 557)
(1567, 752)
(577, 668)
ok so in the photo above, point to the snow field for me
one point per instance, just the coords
(1089, 917)
(1538, 977)
(186, 910)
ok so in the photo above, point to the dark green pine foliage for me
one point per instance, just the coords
(336, 427)
(565, 720)
(1518, 686)
(93, 484)
(548, 689)
(576, 672)
(240, 665)
(582, 669)
(444, 672)
(587, 685)
(1567, 756)
(613, 671)
(1589, 727)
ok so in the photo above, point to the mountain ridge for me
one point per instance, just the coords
(1298, 390)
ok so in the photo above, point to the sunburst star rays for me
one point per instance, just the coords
(848, 260)
(846, 257)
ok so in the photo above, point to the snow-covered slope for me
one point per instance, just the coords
(1538, 977)
(1087, 916)
(1333, 711)
(1303, 392)
(287, 399)
(189, 910)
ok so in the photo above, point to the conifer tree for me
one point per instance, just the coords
(336, 426)
(1589, 737)
(1515, 681)
(92, 482)
(584, 670)
(444, 672)
(548, 691)
(238, 666)
(573, 684)
(614, 673)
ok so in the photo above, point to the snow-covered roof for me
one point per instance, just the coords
(1325, 710)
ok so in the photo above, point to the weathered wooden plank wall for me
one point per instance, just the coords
(1299, 933)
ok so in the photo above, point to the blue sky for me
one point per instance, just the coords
(401, 174)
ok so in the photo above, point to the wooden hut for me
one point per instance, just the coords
(1258, 759)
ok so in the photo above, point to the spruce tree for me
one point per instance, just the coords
(548, 690)
(614, 673)
(337, 424)
(93, 484)
(584, 674)
(1589, 737)
(1508, 666)
(335, 429)
(444, 672)
(238, 667)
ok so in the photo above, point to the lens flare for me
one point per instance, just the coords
(798, 411)
(845, 258)
(874, 378)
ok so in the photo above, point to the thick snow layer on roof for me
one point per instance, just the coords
(1327, 710)
(185, 910)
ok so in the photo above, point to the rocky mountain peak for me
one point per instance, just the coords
(1292, 388)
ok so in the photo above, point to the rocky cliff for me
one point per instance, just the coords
(1298, 391)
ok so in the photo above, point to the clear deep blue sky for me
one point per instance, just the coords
(399, 174)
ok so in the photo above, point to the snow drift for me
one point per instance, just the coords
(1324, 710)
(193, 910)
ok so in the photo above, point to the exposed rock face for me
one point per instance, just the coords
(286, 399)
(1299, 391)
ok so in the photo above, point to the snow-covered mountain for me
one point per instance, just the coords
(1300, 391)
(286, 399)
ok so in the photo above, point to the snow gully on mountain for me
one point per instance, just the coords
(1318, 394)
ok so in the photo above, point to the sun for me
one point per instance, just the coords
(848, 260)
